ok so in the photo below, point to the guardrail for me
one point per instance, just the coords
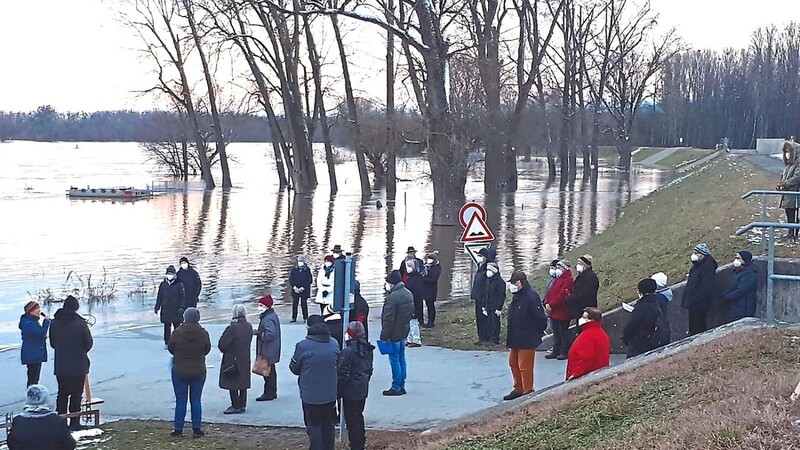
(771, 275)
(764, 194)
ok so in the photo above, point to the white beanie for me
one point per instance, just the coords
(660, 278)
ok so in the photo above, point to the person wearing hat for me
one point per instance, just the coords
(38, 426)
(790, 181)
(478, 294)
(663, 291)
(398, 310)
(300, 280)
(698, 294)
(592, 348)
(325, 281)
(551, 276)
(741, 297)
(584, 290)
(315, 362)
(234, 344)
(189, 345)
(34, 340)
(526, 324)
(355, 371)
(411, 255)
(71, 341)
(494, 299)
(170, 302)
(556, 304)
(430, 286)
(192, 284)
(337, 252)
(641, 326)
(268, 346)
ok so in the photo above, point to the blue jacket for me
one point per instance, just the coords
(741, 297)
(301, 277)
(316, 362)
(34, 339)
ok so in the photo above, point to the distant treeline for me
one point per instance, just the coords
(47, 124)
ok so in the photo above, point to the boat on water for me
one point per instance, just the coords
(110, 193)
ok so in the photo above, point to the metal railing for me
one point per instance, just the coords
(764, 194)
(771, 275)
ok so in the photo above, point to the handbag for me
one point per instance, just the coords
(231, 370)
(261, 366)
(385, 347)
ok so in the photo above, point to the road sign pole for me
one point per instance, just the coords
(348, 268)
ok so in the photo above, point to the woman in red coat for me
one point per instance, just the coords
(592, 349)
(557, 305)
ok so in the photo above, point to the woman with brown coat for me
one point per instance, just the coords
(790, 181)
(235, 370)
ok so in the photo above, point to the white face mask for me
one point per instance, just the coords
(409, 268)
(481, 260)
(490, 273)
(170, 277)
(388, 286)
(336, 254)
(694, 257)
(430, 261)
(300, 263)
(552, 272)
(328, 264)
(737, 263)
(559, 272)
(583, 321)
(579, 268)
(513, 288)
(184, 266)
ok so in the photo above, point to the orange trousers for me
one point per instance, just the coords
(521, 363)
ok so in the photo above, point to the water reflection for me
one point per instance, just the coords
(245, 241)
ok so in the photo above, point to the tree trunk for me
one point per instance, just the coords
(391, 144)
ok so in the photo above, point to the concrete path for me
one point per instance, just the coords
(130, 372)
(652, 161)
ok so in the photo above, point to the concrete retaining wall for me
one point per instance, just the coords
(786, 296)
(769, 146)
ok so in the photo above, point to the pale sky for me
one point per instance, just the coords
(74, 55)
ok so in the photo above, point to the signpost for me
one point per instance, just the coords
(477, 234)
(344, 273)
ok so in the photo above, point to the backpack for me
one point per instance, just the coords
(661, 334)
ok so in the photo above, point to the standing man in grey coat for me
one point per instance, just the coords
(315, 362)
(398, 310)
(268, 345)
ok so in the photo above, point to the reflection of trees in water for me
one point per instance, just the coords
(358, 233)
(444, 239)
(212, 276)
(390, 218)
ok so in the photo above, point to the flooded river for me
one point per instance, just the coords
(244, 242)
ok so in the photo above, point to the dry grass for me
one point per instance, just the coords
(732, 393)
(684, 156)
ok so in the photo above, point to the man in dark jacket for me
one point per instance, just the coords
(355, 371)
(699, 291)
(398, 309)
(526, 324)
(741, 297)
(300, 280)
(430, 286)
(641, 326)
(71, 341)
(495, 297)
(478, 294)
(38, 427)
(584, 291)
(315, 362)
(171, 302)
(411, 254)
(359, 311)
(192, 284)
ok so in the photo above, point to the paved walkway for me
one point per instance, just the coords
(652, 161)
(130, 371)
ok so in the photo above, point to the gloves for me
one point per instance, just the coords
(483, 310)
(155, 311)
(498, 312)
(302, 289)
(324, 293)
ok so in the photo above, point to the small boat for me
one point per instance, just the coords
(113, 193)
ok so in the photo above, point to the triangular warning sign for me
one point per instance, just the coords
(477, 231)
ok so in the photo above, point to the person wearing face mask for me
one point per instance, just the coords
(551, 276)
(325, 280)
(592, 348)
(171, 302)
(526, 325)
(300, 280)
(478, 294)
(641, 328)
(398, 310)
(556, 303)
(741, 297)
(413, 283)
(411, 254)
(268, 346)
(495, 298)
(584, 291)
(430, 286)
(192, 284)
(699, 291)
(337, 252)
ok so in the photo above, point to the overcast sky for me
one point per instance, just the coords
(72, 54)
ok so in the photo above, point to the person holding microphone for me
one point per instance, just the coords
(34, 340)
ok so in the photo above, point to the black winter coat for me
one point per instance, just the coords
(315, 362)
(414, 284)
(641, 325)
(526, 319)
(495, 295)
(301, 277)
(398, 310)
(171, 301)
(71, 341)
(360, 312)
(430, 281)
(584, 293)
(478, 291)
(418, 264)
(741, 297)
(189, 344)
(235, 344)
(192, 285)
(355, 369)
(699, 291)
(40, 431)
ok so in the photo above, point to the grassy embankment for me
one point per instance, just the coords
(730, 394)
(654, 234)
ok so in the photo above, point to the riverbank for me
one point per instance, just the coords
(729, 393)
(653, 234)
